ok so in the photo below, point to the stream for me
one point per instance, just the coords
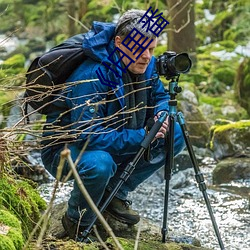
(187, 212)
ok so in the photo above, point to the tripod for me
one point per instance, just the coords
(169, 163)
(129, 168)
(173, 90)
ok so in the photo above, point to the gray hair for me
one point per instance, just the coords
(130, 20)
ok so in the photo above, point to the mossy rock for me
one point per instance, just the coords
(22, 200)
(232, 139)
(228, 45)
(128, 244)
(13, 70)
(16, 61)
(221, 106)
(10, 231)
(231, 169)
(225, 75)
(212, 75)
(150, 235)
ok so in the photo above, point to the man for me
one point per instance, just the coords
(109, 120)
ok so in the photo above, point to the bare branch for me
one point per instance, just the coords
(66, 154)
(79, 22)
(176, 15)
(183, 26)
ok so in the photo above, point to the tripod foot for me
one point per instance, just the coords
(164, 232)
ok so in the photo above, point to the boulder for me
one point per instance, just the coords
(231, 169)
(231, 139)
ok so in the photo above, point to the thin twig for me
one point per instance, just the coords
(77, 21)
(66, 154)
(137, 236)
(45, 217)
(99, 238)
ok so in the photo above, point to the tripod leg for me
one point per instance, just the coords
(129, 169)
(199, 176)
(168, 173)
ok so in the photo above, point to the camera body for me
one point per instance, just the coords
(171, 65)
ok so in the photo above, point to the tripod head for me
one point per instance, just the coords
(174, 89)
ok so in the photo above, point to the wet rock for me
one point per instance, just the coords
(232, 139)
(181, 179)
(190, 96)
(231, 169)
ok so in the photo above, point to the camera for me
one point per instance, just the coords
(171, 65)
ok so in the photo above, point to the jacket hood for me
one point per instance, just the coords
(98, 42)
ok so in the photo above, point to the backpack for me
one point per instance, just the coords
(48, 73)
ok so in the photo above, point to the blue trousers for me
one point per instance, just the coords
(100, 170)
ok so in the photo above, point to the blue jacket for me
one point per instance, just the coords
(96, 110)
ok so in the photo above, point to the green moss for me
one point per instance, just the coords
(128, 244)
(9, 219)
(224, 75)
(219, 102)
(14, 234)
(214, 101)
(222, 122)
(13, 71)
(16, 61)
(6, 96)
(16, 237)
(235, 125)
(91, 247)
(22, 200)
(239, 128)
(228, 45)
(6, 243)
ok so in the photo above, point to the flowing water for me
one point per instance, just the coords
(187, 212)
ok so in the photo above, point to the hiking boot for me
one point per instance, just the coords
(121, 211)
(75, 231)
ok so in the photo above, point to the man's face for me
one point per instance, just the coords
(141, 63)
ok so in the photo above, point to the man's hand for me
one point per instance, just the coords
(164, 128)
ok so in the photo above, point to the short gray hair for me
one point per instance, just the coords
(130, 20)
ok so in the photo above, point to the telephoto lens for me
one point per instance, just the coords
(170, 64)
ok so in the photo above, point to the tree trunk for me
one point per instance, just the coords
(181, 37)
(83, 7)
(72, 13)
